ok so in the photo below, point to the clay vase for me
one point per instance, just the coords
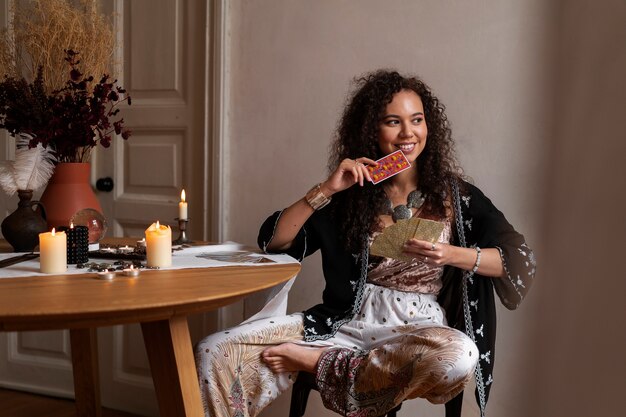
(22, 227)
(68, 192)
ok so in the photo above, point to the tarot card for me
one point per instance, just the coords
(389, 166)
(389, 243)
(428, 230)
(381, 246)
(395, 234)
(411, 227)
(235, 257)
(406, 228)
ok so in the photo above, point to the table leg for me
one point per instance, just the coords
(173, 367)
(84, 346)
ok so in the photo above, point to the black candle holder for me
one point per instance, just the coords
(77, 244)
(182, 227)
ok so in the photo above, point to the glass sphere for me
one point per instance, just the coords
(95, 222)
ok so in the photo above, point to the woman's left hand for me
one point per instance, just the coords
(440, 254)
(436, 254)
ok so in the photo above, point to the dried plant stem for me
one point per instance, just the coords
(40, 32)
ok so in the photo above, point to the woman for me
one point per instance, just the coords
(385, 335)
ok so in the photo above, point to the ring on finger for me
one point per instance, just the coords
(432, 247)
(425, 259)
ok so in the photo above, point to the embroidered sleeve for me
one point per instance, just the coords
(492, 230)
(302, 246)
(519, 266)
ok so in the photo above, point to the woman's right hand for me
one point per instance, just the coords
(348, 173)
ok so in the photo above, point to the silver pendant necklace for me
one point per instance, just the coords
(415, 200)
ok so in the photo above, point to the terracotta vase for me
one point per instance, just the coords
(22, 227)
(68, 192)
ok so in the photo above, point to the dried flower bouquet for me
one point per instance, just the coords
(60, 98)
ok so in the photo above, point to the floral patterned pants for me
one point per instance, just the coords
(396, 348)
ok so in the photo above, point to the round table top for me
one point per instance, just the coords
(78, 301)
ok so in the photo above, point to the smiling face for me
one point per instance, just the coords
(403, 126)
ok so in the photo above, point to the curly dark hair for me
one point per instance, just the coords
(357, 208)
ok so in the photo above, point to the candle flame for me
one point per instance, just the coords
(71, 225)
(182, 195)
(157, 225)
(53, 231)
(131, 267)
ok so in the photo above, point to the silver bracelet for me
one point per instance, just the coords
(316, 198)
(477, 264)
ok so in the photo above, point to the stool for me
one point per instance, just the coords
(300, 395)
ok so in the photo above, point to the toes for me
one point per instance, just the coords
(269, 361)
(276, 367)
(274, 364)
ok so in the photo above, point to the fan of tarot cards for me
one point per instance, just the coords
(389, 243)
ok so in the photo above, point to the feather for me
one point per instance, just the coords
(31, 169)
(7, 179)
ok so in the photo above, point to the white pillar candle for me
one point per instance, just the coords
(182, 207)
(53, 252)
(158, 245)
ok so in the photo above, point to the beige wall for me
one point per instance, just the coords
(291, 64)
(580, 368)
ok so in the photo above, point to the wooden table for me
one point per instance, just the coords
(159, 300)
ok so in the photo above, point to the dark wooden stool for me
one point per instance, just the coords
(300, 395)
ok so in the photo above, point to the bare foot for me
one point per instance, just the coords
(290, 357)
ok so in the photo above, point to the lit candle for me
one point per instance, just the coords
(131, 272)
(125, 249)
(107, 275)
(53, 252)
(182, 207)
(77, 244)
(158, 245)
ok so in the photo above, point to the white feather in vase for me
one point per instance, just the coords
(31, 169)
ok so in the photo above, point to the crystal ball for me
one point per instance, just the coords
(95, 222)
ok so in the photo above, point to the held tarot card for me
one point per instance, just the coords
(388, 166)
(389, 243)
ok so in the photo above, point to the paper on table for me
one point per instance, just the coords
(219, 247)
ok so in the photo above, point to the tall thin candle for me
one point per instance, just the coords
(182, 206)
